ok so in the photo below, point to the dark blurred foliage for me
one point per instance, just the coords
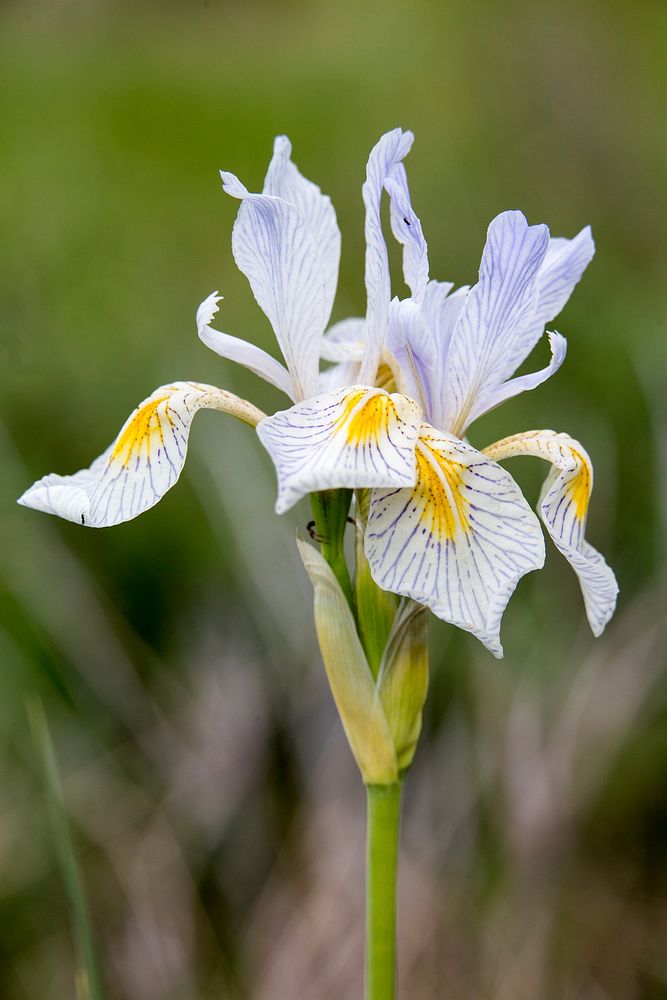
(218, 817)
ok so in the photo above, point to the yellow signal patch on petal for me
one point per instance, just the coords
(579, 488)
(563, 508)
(366, 418)
(566, 455)
(440, 493)
(143, 427)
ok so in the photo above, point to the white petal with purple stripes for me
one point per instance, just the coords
(284, 180)
(496, 395)
(143, 462)
(274, 244)
(407, 229)
(390, 150)
(495, 312)
(459, 540)
(352, 437)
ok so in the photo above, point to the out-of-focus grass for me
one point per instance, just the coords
(217, 808)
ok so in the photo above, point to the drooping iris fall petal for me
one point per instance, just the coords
(348, 438)
(564, 507)
(459, 540)
(143, 462)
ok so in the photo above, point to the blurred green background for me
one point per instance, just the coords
(217, 812)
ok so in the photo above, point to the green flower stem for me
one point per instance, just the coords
(330, 509)
(382, 839)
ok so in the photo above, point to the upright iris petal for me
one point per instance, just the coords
(525, 280)
(392, 148)
(287, 243)
(497, 308)
(407, 229)
(283, 180)
(413, 346)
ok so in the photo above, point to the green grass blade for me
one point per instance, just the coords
(87, 976)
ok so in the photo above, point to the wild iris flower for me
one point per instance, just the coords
(446, 526)
(460, 536)
(436, 521)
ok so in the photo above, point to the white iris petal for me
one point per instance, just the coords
(564, 507)
(459, 540)
(143, 462)
(351, 437)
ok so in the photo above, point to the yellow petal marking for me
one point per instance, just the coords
(559, 449)
(385, 378)
(141, 428)
(366, 421)
(439, 492)
(580, 486)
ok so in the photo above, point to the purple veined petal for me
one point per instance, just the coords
(522, 383)
(564, 263)
(496, 311)
(144, 461)
(459, 540)
(441, 308)
(240, 351)
(354, 437)
(273, 246)
(412, 344)
(284, 180)
(407, 229)
(563, 508)
(390, 150)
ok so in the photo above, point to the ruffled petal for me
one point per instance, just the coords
(235, 349)
(459, 540)
(284, 181)
(352, 437)
(563, 508)
(390, 150)
(275, 249)
(143, 462)
(497, 309)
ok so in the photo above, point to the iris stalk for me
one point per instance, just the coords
(382, 846)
